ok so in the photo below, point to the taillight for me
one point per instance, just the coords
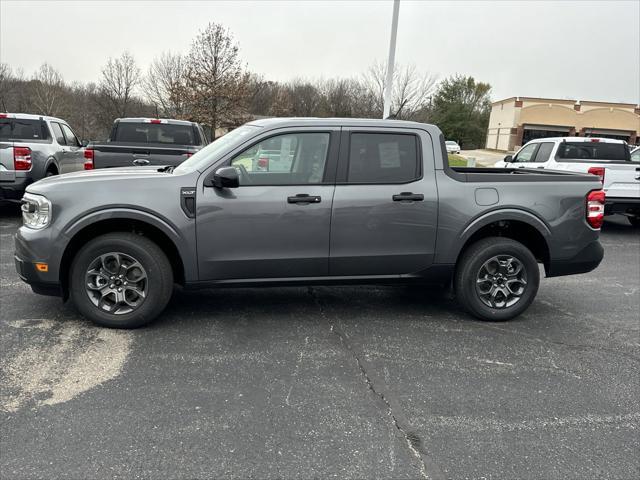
(4, 115)
(21, 158)
(155, 120)
(595, 208)
(263, 162)
(88, 159)
(599, 172)
(594, 140)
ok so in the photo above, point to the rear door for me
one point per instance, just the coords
(276, 223)
(64, 155)
(384, 216)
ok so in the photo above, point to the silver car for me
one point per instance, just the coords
(452, 147)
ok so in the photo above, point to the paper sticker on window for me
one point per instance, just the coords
(389, 155)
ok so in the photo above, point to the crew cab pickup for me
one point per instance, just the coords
(146, 141)
(607, 158)
(361, 201)
(33, 147)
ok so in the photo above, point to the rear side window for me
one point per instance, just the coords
(593, 151)
(155, 133)
(57, 133)
(19, 129)
(383, 158)
(544, 152)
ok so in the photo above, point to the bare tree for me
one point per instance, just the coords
(164, 85)
(47, 90)
(217, 82)
(120, 76)
(410, 92)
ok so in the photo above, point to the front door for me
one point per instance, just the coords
(276, 224)
(385, 207)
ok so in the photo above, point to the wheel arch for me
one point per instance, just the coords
(518, 225)
(121, 220)
(51, 162)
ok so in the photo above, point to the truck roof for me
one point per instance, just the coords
(171, 121)
(577, 139)
(338, 122)
(30, 116)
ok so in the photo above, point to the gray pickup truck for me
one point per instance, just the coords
(33, 147)
(146, 141)
(362, 201)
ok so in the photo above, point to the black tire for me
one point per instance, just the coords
(634, 221)
(158, 279)
(469, 268)
(50, 173)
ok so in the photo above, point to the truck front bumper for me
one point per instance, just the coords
(33, 246)
(586, 260)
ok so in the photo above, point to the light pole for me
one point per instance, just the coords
(388, 85)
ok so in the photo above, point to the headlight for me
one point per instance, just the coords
(36, 211)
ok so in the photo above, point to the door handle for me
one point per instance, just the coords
(140, 161)
(408, 197)
(304, 198)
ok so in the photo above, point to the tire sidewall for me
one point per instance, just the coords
(150, 257)
(474, 261)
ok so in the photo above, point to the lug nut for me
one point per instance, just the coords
(111, 286)
(119, 289)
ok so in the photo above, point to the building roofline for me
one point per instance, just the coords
(565, 100)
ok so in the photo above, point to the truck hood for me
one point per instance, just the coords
(98, 178)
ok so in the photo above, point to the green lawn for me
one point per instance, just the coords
(457, 161)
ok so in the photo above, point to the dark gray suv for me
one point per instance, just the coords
(334, 201)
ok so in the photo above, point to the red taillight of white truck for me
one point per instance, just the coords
(598, 172)
(595, 208)
(88, 159)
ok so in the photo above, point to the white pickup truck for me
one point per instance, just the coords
(607, 158)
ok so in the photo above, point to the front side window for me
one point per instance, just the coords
(289, 159)
(635, 156)
(70, 136)
(527, 153)
(383, 158)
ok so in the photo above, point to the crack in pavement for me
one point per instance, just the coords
(428, 469)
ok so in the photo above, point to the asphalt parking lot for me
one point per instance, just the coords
(355, 382)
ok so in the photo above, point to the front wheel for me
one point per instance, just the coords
(496, 279)
(121, 280)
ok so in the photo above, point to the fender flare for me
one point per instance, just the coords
(512, 214)
(129, 213)
(50, 161)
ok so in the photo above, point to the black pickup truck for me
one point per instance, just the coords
(145, 141)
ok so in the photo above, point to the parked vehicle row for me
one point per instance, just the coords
(34, 146)
(609, 159)
(351, 201)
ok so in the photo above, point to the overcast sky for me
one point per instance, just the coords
(581, 50)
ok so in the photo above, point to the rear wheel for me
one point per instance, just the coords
(497, 279)
(635, 221)
(51, 172)
(121, 280)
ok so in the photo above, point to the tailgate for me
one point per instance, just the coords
(110, 155)
(7, 173)
(622, 181)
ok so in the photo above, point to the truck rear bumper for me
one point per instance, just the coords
(13, 191)
(586, 260)
(622, 205)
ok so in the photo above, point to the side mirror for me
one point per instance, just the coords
(508, 159)
(225, 177)
(84, 143)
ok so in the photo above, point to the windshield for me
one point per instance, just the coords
(203, 158)
(449, 142)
